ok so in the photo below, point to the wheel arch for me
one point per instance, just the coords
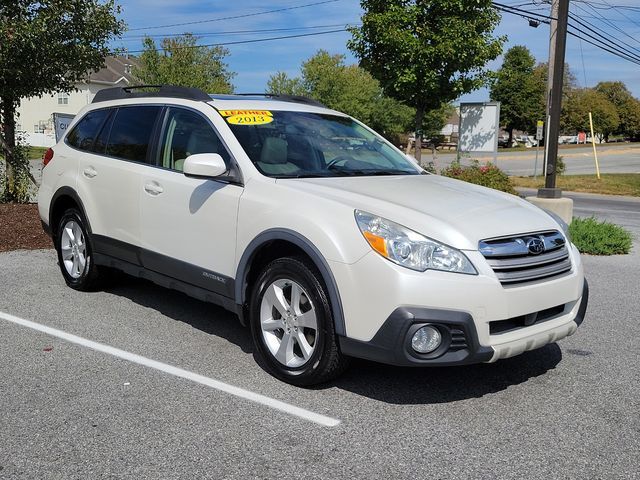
(64, 198)
(279, 236)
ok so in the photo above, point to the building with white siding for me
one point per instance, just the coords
(35, 114)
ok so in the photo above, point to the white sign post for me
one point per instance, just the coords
(479, 128)
(61, 122)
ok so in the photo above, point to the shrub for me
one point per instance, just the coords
(560, 166)
(20, 190)
(430, 167)
(594, 237)
(487, 175)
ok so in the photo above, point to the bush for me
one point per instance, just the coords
(560, 166)
(20, 190)
(599, 238)
(487, 175)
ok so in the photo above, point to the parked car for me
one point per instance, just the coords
(325, 239)
(525, 141)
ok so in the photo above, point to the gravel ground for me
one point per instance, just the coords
(568, 410)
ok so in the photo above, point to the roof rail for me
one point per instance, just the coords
(173, 91)
(296, 99)
(278, 96)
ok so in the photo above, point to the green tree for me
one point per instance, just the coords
(426, 53)
(47, 46)
(518, 91)
(575, 113)
(627, 106)
(280, 83)
(540, 77)
(183, 63)
(347, 88)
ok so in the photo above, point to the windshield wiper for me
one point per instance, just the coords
(372, 173)
(392, 172)
(307, 175)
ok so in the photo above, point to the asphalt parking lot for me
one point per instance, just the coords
(568, 410)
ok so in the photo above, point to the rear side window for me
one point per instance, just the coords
(131, 132)
(85, 132)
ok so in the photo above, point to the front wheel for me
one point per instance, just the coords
(292, 324)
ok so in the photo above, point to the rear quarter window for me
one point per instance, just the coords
(84, 134)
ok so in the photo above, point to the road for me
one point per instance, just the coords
(568, 410)
(623, 211)
(619, 158)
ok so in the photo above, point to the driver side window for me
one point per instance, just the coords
(187, 133)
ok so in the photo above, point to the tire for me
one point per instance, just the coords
(288, 300)
(75, 253)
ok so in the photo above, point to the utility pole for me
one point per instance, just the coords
(557, 49)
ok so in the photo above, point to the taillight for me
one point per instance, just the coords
(47, 157)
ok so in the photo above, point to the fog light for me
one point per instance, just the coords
(426, 339)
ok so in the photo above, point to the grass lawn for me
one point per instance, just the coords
(36, 152)
(609, 184)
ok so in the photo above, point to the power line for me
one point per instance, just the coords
(256, 40)
(609, 22)
(631, 51)
(604, 5)
(612, 48)
(233, 16)
(231, 32)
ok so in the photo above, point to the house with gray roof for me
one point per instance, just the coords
(35, 114)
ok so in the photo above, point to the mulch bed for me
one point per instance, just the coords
(20, 228)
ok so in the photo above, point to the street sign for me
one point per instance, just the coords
(540, 130)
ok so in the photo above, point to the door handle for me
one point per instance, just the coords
(153, 188)
(89, 172)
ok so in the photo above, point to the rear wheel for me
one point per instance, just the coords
(75, 252)
(292, 324)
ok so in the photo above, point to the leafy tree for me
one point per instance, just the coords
(627, 106)
(347, 88)
(575, 112)
(540, 77)
(427, 52)
(184, 63)
(47, 46)
(280, 83)
(518, 91)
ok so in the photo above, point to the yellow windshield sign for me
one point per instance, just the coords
(233, 113)
(247, 117)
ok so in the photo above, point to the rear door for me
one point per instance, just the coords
(188, 225)
(109, 178)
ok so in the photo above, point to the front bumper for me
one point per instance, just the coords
(391, 344)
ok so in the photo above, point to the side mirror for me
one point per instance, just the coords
(204, 165)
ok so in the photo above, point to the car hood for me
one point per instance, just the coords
(451, 211)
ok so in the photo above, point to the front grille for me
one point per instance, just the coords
(503, 326)
(527, 257)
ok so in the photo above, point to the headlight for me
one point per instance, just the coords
(561, 222)
(410, 249)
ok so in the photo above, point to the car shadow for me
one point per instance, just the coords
(206, 317)
(413, 386)
(389, 384)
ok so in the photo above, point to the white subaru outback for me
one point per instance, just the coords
(319, 234)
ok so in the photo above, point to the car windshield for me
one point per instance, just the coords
(284, 144)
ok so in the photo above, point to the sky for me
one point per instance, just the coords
(255, 62)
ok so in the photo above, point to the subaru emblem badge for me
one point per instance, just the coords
(535, 246)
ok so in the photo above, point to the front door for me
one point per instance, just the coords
(188, 225)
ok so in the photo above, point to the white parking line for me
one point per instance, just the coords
(178, 372)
